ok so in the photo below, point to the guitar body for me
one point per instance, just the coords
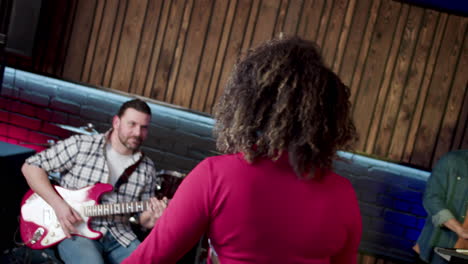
(39, 226)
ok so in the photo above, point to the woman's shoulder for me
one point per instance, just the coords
(337, 179)
(224, 158)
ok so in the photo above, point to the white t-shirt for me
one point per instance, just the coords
(118, 163)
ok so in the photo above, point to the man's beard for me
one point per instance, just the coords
(126, 142)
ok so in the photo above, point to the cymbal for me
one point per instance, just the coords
(84, 130)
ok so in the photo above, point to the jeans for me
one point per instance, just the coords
(80, 250)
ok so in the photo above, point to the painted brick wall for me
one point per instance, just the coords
(31, 105)
(389, 194)
(390, 199)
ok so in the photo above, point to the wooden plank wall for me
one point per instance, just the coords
(406, 65)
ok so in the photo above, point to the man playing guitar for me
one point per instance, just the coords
(84, 160)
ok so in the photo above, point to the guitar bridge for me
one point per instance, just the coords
(37, 235)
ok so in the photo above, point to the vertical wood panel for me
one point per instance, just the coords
(457, 87)
(427, 77)
(374, 69)
(293, 16)
(385, 98)
(52, 43)
(267, 16)
(126, 54)
(149, 32)
(438, 92)
(463, 119)
(384, 125)
(383, 92)
(281, 17)
(344, 35)
(190, 63)
(167, 50)
(220, 55)
(324, 21)
(413, 84)
(103, 42)
(363, 47)
(170, 91)
(115, 41)
(334, 29)
(93, 40)
(464, 125)
(313, 22)
(74, 60)
(149, 86)
(308, 26)
(65, 37)
(251, 22)
(465, 139)
(354, 42)
(455, 102)
(45, 41)
(211, 49)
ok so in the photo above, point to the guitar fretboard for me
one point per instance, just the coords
(118, 208)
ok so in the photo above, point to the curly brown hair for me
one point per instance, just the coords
(281, 97)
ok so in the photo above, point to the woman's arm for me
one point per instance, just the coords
(182, 224)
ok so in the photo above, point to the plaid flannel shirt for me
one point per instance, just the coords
(81, 161)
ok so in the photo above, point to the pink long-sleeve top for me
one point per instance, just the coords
(257, 213)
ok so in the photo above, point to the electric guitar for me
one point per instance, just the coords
(40, 228)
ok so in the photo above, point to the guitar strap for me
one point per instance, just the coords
(127, 172)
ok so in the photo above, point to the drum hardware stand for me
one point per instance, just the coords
(84, 130)
(50, 142)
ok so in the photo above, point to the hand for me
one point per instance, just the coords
(463, 233)
(67, 217)
(157, 207)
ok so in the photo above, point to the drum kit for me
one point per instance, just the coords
(170, 181)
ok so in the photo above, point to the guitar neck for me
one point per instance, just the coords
(117, 208)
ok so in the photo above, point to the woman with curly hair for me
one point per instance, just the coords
(273, 197)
